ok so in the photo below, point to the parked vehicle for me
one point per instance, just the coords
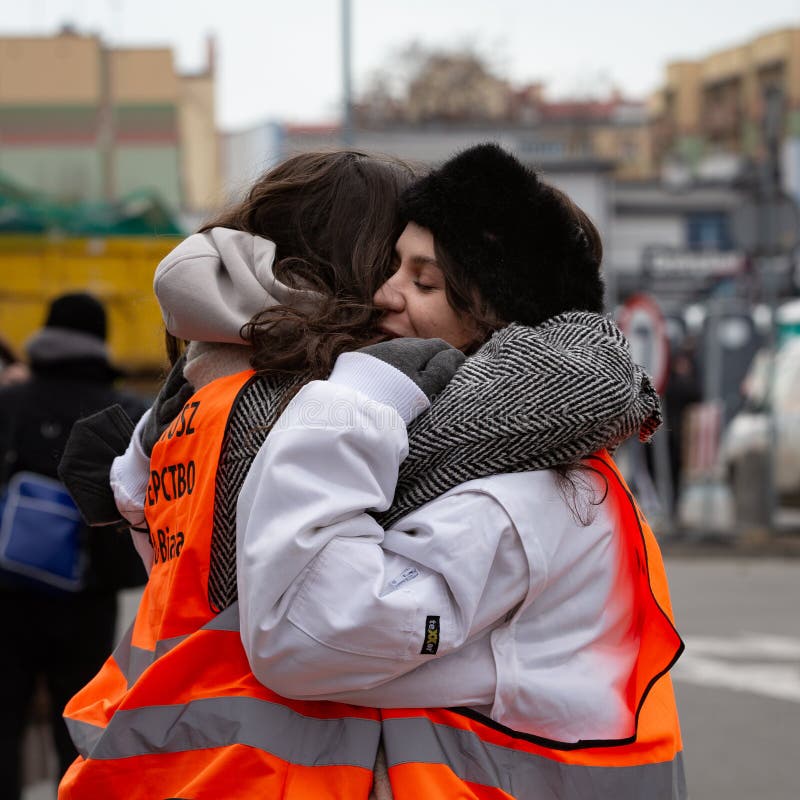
(748, 439)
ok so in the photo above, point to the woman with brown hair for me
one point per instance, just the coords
(176, 711)
(281, 282)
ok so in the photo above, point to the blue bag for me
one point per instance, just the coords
(40, 532)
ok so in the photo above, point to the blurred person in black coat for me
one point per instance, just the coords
(683, 390)
(62, 637)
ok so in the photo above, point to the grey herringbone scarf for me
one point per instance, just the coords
(529, 399)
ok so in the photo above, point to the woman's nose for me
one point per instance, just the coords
(388, 297)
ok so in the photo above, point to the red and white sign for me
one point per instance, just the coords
(641, 320)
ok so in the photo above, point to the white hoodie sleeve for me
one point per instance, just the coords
(331, 605)
(130, 473)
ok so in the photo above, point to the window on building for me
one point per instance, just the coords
(709, 230)
(540, 148)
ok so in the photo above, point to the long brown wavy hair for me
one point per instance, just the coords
(333, 217)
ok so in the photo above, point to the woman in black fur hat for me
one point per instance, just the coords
(512, 247)
(440, 523)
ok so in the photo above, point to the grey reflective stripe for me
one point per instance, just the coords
(122, 654)
(139, 661)
(133, 661)
(84, 735)
(165, 645)
(227, 620)
(526, 776)
(223, 721)
(141, 658)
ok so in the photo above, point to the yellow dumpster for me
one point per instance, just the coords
(118, 270)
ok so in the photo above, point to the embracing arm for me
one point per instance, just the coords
(331, 605)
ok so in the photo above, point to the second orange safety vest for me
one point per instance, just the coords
(443, 754)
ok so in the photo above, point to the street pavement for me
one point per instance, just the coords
(737, 684)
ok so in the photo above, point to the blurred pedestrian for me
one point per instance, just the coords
(58, 636)
(683, 389)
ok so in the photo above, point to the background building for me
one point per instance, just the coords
(586, 178)
(709, 114)
(83, 121)
(676, 242)
(458, 90)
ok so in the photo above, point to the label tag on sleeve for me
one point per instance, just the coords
(431, 644)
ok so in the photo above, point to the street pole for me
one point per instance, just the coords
(105, 131)
(347, 76)
(712, 397)
(773, 124)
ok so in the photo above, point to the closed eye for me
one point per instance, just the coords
(424, 287)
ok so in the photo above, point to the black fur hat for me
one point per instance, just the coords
(529, 250)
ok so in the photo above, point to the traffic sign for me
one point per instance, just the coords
(641, 320)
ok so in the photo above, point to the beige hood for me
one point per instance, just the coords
(212, 283)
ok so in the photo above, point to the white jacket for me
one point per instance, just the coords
(530, 627)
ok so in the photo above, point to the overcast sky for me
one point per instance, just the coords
(281, 60)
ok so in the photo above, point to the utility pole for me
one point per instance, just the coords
(105, 132)
(771, 193)
(347, 77)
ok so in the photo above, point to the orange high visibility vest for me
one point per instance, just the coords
(442, 754)
(176, 712)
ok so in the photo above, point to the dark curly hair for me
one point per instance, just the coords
(333, 217)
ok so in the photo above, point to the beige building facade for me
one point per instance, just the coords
(717, 104)
(82, 121)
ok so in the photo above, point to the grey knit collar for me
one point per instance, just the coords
(207, 361)
(529, 399)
